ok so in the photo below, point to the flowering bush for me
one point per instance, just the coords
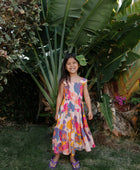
(120, 100)
(19, 21)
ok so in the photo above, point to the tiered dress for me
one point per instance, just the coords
(72, 131)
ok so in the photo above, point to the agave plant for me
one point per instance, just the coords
(49, 67)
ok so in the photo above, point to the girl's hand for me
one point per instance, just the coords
(56, 116)
(90, 115)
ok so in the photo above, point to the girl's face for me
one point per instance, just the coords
(72, 65)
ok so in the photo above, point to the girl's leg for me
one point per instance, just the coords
(75, 162)
(55, 159)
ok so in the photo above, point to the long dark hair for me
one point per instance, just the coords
(64, 73)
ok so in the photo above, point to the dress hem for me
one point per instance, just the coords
(61, 152)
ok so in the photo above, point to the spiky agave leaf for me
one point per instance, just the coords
(48, 98)
(106, 110)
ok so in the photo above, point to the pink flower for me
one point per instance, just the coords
(120, 100)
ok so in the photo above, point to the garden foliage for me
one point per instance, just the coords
(107, 35)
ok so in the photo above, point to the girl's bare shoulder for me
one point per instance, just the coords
(63, 82)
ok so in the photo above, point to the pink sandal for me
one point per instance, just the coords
(54, 163)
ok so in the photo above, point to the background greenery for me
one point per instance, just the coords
(35, 35)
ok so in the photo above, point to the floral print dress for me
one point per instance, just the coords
(72, 131)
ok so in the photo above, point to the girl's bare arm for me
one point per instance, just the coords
(59, 99)
(88, 101)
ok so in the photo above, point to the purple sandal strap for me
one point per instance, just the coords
(75, 163)
(54, 163)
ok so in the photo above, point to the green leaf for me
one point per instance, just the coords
(13, 57)
(2, 20)
(7, 37)
(45, 24)
(111, 66)
(133, 9)
(95, 15)
(44, 8)
(131, 57)
(43, 73)
(1, 88)
(124, 5)
(106, 110)
(81, 60)
(5, 70)
(130, 38)
(135, 100)
(5, 80)
(1, 77)
(57, 8)
(63, 35)
(136, 49)
(89, 71)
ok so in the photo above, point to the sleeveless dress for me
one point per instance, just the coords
(72, 131)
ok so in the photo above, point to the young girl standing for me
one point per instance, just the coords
(71, 132)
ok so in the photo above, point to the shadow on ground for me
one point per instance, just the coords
(29, 148)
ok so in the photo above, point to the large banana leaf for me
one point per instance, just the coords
(130, 38)
(95, 15)
(115, 63)
(56, 10)
(111, 66)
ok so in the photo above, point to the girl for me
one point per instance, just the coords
(71, 132)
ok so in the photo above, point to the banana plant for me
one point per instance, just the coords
(113, 46)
